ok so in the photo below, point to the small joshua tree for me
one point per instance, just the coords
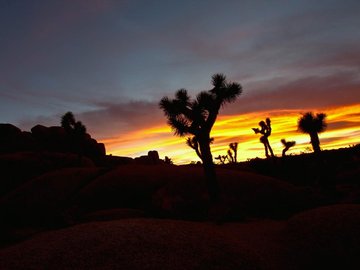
(287, 146)
(222, 159)
(76, 131)
(233, 147)
(68, 122)
(72, 126)
(168, 160)
(312, 125)
(197, 117)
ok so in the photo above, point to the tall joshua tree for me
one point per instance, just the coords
(233, 147)
(313, 124)
(197, 117)
(265, 131)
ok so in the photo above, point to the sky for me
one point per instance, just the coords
(111, 61)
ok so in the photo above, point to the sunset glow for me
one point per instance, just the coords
(343, 130)
(110, 63)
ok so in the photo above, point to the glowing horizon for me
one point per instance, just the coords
(343, 130)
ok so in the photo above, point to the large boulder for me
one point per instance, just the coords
(44, 199)
(152, 158)
(26, 142)
(9, 136)
(114, 161)
(128, 186)
(325, 238)
(40, 132)
(184, 195)
(93, 149)
(12, 139)
(263, 196)
(130, 244)
(8, 130)
(56, 139)
(243, 195)
(17, 168)
(181, 192)
(52, 138)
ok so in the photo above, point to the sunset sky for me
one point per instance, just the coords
(111, 61)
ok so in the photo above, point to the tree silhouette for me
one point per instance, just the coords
(79, 129)
(287, 146)
(168, 160)
(76, 131)
(197, 117)
(222, 159)
(265, 130)
(72, 126)
(193, 143)
(313, 124)
(233, 147)
(68, 122)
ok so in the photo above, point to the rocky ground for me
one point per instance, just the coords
(60, 210)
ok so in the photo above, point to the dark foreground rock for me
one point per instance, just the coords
(130, 244)
(325, 238)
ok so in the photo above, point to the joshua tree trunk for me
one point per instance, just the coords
(315, 142)
(198, 153)
(209, 169)
(270, 149)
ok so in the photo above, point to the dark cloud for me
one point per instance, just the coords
(332, 140)
(305, 93)
(113, 119)
(63, 55)
(338, 125)
(117, 118)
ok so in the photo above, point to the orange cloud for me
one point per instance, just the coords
(343, 130)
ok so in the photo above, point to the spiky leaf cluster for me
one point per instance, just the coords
(197, 116)
(233, 146)
(287, 144)
(310, 123)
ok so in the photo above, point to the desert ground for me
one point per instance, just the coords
(62, 211)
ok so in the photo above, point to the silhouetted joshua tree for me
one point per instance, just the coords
(287, 146)
(68, 122)
(313, 124)
(265, 130)
(193, 143)
(233, 147)
(197, 117)
(79, 129)
(168, 160)
(72, 126)
(222, 159)
(75, 129)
